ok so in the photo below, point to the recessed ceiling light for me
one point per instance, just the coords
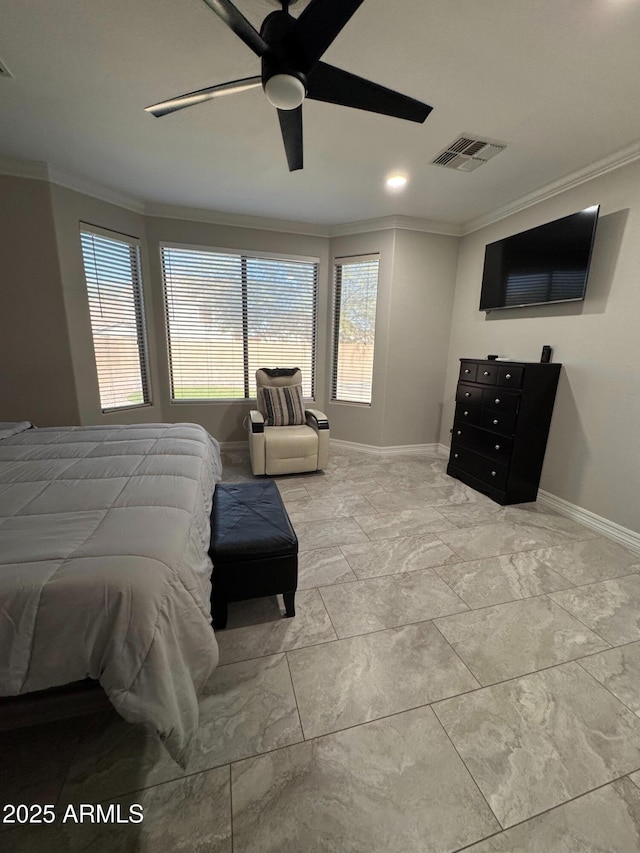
(396, 182)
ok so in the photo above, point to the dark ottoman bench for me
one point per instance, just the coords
(254, 548)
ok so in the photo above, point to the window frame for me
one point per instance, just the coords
(239, 253)
(339, 262)
(135, 244)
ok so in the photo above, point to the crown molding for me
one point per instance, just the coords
(33, 169)
(622, 157)
(41, 171)
(95, 190)
(406, 223)
(237, 220)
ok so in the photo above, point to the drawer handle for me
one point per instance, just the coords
(493, 473)
(466, 370)
(508, 376)
(496, 422)
(459, 432)
(455, 455)
(465, 414)
(497, 400)
(486, 373)
(497, 447)
(467, 393)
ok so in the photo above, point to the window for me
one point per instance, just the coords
(230, 314)
(354, 328)
(114, 288)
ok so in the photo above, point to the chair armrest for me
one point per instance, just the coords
(256, 421)
(319, 419)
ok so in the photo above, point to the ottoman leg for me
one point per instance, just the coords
(289, 605)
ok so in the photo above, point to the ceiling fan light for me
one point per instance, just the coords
(285, 91)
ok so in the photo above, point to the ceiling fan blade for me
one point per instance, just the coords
(318, 25)
(335, 86)
(291, 127)
(236, 21)
(202, 95)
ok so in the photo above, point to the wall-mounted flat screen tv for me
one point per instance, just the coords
(549, 263)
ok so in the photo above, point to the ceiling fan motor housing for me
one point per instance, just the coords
(277, 61)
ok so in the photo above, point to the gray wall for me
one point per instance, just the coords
(593, 455)
(424, 270)
(36, 371)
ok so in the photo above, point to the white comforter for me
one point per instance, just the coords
(104, 571)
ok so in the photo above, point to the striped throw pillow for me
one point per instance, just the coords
(282, 406)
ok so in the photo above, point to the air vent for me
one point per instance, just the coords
(4, 71)
(467, 153)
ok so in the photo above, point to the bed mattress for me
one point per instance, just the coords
(104, 570)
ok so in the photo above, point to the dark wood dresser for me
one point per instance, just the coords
(501, 425)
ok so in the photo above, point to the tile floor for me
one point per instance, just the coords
(458, 676)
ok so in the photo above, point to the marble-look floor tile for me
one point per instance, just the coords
(309, 626)
(512, 639)
(392, 785)
(408, 522)
(322, 567)
(292, 494)
(386, 602)
(413, 478)
(192, 814)
(635, 778)
(473, 514)
(337, 486)
(494, 580)
(453, 492)
(536, 515)
(335, 506)
(35, 759)
(401, 554)
(619, 671)
(504, 537)
(610, 608)
(328, 534)
(247, 708)
(427, 469)
(607, 819)
(341, 684)
(538, 741)
(588, 562)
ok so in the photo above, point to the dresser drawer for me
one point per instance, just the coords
(487, 373)
(470, 394)
(501, 401)
(510, 377)
(468, 414)
(502, 422)
(468, 371)
(474, 438)
(484, 469)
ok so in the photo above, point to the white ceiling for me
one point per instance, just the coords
(558, 80)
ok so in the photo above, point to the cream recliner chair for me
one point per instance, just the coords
(284, 437)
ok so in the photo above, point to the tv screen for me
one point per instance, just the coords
(549, 263)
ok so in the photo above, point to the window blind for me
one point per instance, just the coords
(354, 326)
(116, 308)
(229, 314)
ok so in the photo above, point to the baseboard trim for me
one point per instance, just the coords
(374, 450)
(623, 535)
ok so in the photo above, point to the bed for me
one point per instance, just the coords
(104, 567)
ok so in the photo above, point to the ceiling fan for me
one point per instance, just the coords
(290, 49)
